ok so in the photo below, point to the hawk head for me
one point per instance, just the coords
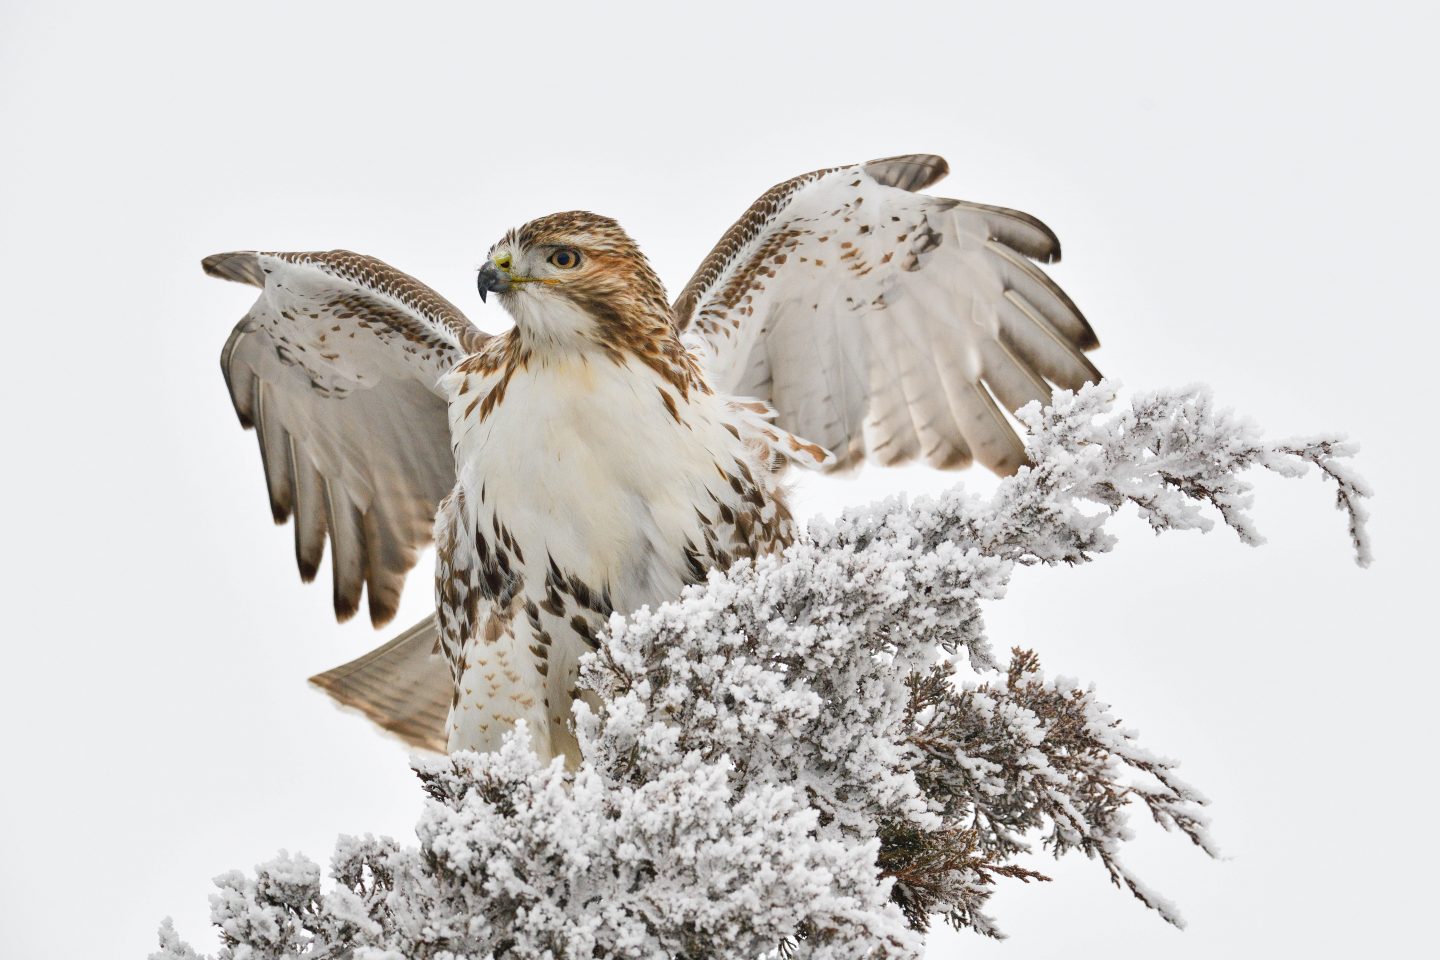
(576, 277)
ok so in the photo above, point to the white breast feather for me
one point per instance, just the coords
(586, 468)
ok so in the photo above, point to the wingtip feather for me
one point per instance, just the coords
(345, 607)
(382, 610)
(239, 266)
(911, 171)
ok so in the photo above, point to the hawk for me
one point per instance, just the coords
(611, 447)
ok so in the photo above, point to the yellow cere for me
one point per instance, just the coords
(504, 262)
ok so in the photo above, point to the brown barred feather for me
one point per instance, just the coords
(914, 171)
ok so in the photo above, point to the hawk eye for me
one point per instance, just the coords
(566, 258)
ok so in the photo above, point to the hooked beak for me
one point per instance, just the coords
(491, 279)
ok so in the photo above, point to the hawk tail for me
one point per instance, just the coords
(402, 686)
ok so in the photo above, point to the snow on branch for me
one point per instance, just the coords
(815, 754)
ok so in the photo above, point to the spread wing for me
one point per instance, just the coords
(885, 323)
(335, 366)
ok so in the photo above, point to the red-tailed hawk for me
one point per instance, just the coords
(611, 448)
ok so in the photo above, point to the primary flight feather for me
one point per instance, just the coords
(611, 448)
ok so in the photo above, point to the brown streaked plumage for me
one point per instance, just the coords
(912, 172)
(618, 289)
(609, 449)
(594, 411)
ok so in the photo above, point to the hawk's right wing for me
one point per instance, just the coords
(335, 366)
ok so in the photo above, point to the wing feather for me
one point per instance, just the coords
(1029, 333)
(882, 322)
(348, 562)
(311, 523)
(1019, 231)
(912, 171)
(986, 429)
(924, 379)
(1028, 280)
(274, 456)
(891, 433)
(336, 368)
(1014, 381)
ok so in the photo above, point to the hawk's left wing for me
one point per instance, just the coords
(886, 323)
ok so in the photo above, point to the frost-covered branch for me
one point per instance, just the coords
(815, 753)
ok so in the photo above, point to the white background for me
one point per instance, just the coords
(1246, 199)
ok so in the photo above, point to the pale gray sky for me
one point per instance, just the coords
(1245, 196)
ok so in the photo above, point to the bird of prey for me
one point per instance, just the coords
(611, 447)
